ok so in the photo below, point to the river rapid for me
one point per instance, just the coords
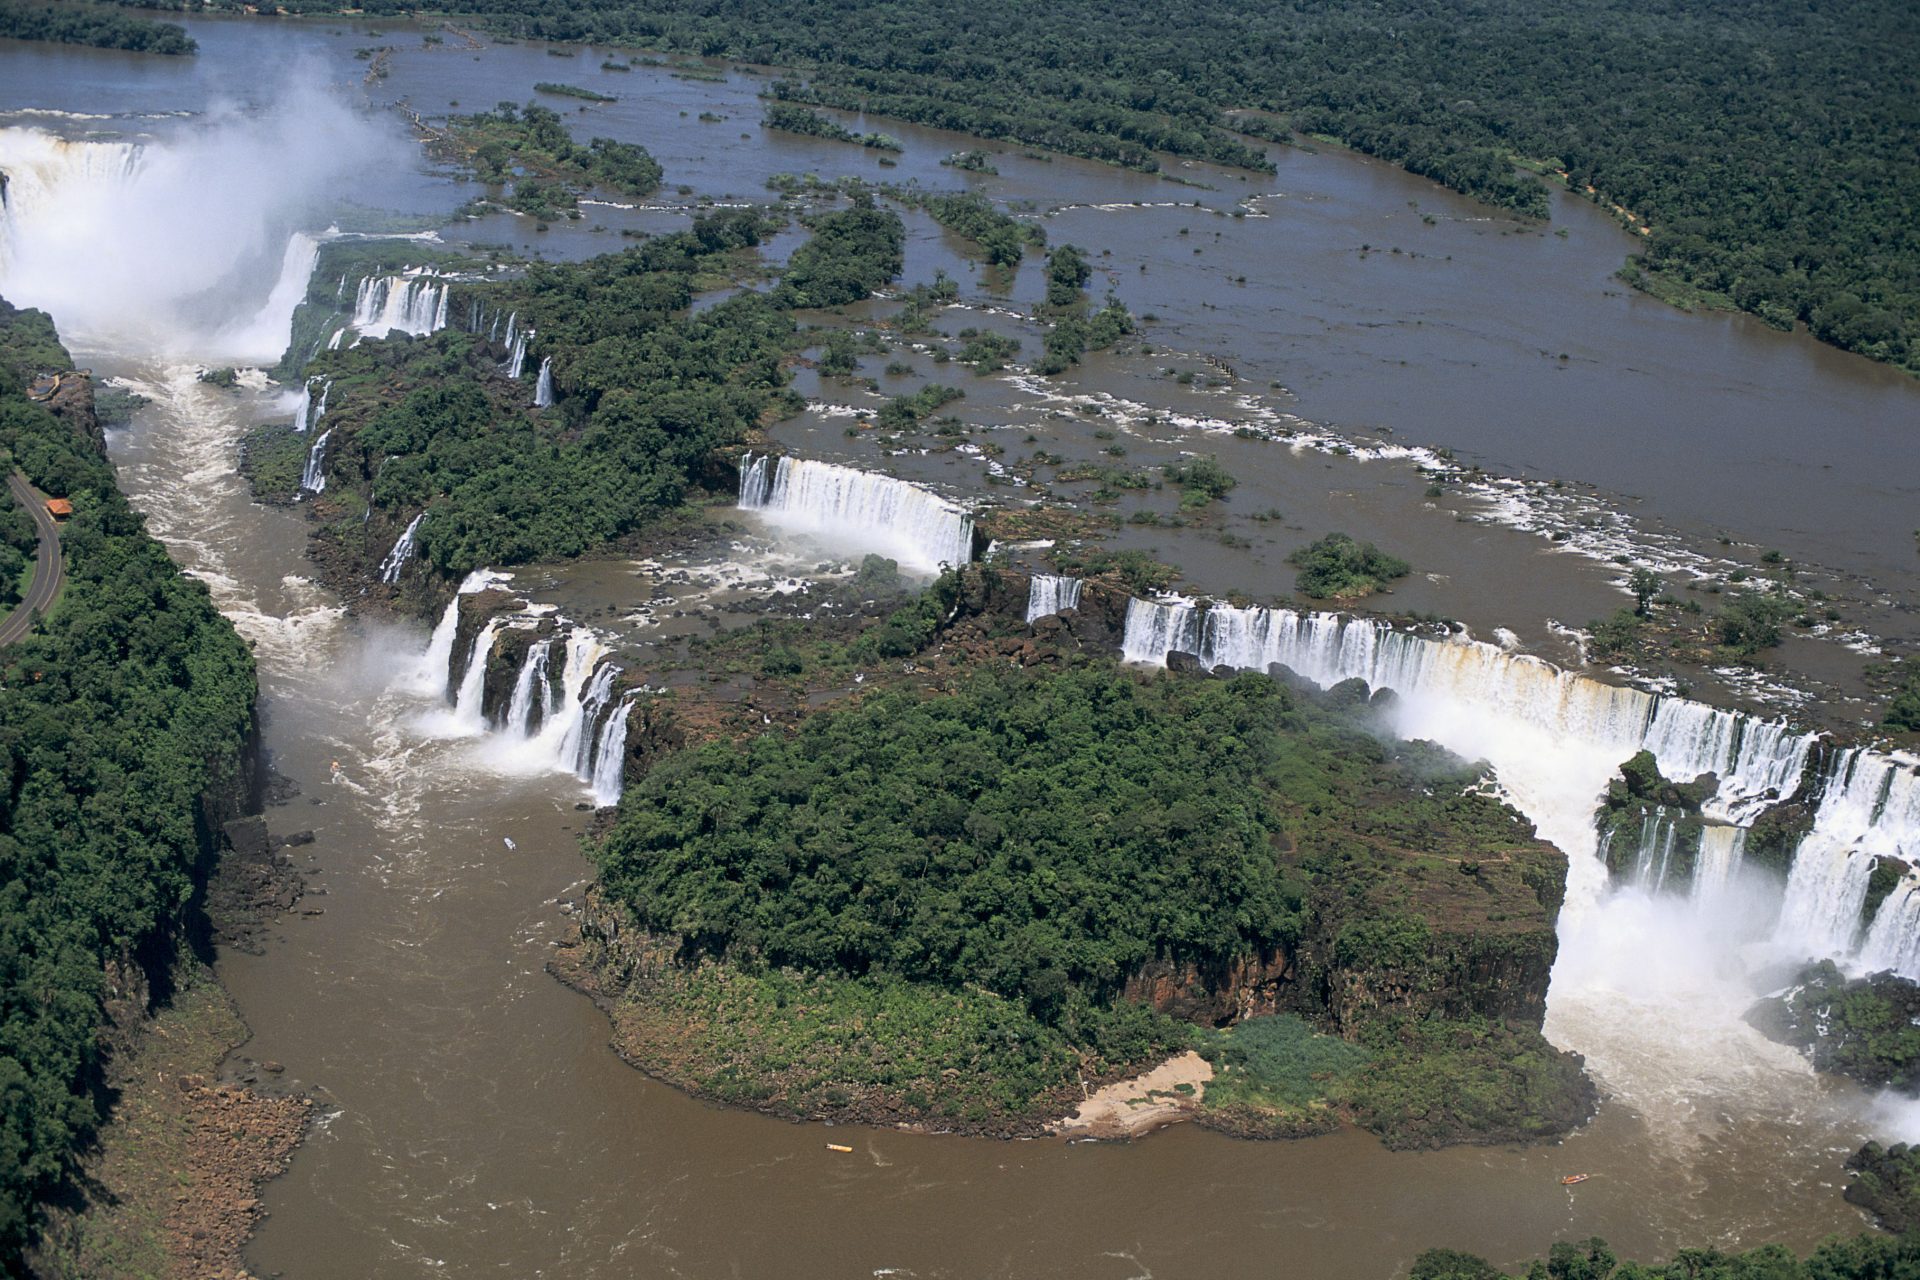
(474, 1120)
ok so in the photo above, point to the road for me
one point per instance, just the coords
(49, 567)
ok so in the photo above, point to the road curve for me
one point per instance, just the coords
(49, 567)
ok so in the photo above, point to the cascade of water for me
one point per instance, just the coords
(1893, 939)
(411, 303)
(576, 749)
(1869, 808)
(1657, 831)
(304, 410)
(314, 478)
(1758, 762)
(467, 711)
(559, 738)
(1155, 629)
(1049, 594)
(1721, 849)
(263, 335)
(402, 552)
(517, 359)
(860, 508)
(435, 671)
(543, 389)
(524, 712)
(1554, 737)
(610, 755)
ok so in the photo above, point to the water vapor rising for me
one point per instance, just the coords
(194, 244)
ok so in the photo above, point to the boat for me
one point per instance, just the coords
(834, 1146)
(1574, 1178)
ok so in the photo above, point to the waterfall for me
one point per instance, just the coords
(865, 510)
(1869, 808)
(610, 756)
(517, 359)
(1153, 630)
(1758, 762)
(314, 478)
(402, 552)
(1554, 737)
(1049, 594)
(1658, 831)
(556, 745)
(414, 303)
(467, 713)
(436, 665)
(1721, 848)
(312, 407)
(576, 746)
(122, 243)
(543, 390)
(523, 712)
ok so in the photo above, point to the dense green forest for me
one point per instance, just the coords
(101, 28)
(646, 390)
(1861, 1258)
(1771, 146)
(993, 866)
(124, 717)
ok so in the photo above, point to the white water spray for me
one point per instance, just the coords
(153, 248)
(860, 509)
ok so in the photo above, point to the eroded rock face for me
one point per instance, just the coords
(72, 403)
(1250, 988)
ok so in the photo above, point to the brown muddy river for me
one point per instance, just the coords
(476, 1122)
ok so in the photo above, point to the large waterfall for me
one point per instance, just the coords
(562, 714)
(414, 303)
(858, 509)
(1554, 738)
(125, 242)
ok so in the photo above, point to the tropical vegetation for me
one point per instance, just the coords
(125, 716)
(93, 25)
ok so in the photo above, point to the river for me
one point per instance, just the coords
(476, 1122)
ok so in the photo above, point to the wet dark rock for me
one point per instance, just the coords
(299, 838)
(1861, 1028)
(1351, 692)
(278, 788)
(248, 837)
(1185, 663)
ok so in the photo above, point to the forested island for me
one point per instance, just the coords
(127, 719)
(1768, 155)
(94, 25)
(949, 900)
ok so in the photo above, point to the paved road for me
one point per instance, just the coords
(50, 567)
